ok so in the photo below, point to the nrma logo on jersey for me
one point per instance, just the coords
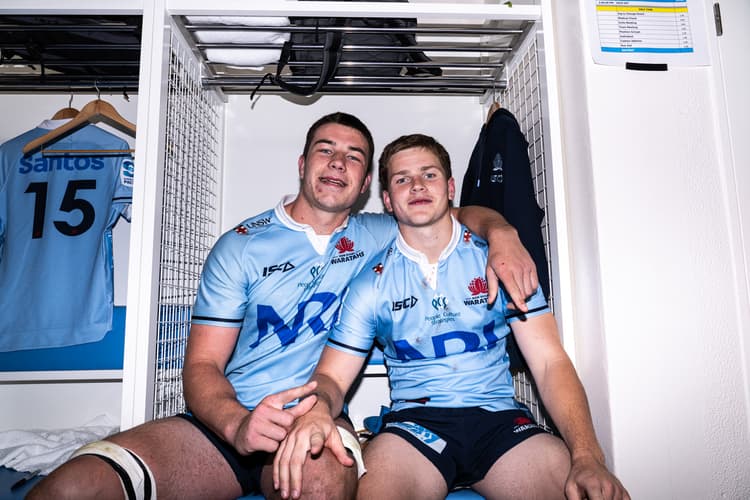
(428, 437)
(317, 313)
(51, 163)
(449, 343)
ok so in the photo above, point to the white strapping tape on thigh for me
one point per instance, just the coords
(351, 443)
(122, 457)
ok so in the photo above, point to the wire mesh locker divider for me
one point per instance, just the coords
(189, 216)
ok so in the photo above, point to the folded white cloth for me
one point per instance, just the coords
(239, 20)
(241, 37)
(245, 57)
(45, 450)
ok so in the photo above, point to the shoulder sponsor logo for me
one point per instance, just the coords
(260, 222)
(378, 268)
(345, 246)
(244, 229)
(479, 290)
(467, 236)
(269, 270)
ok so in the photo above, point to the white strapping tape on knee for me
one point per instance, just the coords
(351, 443)
(122, 457)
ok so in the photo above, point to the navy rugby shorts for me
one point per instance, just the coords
(463, 443)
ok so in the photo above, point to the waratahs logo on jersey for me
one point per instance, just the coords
(378, 268)
(479, 290)
(347, 253)
(344, 245)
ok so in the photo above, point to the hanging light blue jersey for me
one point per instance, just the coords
(267, 278)
(442, 346)
(56, 216)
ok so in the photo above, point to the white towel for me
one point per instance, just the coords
(45, 450)
(239, 20)
(245, 58)
(254, 59)
(241, 37)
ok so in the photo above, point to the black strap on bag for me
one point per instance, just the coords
(331, 57)
(299, 59)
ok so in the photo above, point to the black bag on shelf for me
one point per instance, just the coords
(326, 60)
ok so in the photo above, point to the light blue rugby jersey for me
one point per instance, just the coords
(56, 216)
(266, 277)
(441, 345)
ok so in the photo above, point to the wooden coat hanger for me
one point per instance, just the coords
(493, 107)
(495, 104)
(93, 112)
(64, 113)
(69, 112)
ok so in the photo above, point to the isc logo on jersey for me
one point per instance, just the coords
(286, 266)
(51, 163)
(408, 302)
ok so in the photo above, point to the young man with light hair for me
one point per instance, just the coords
(453, 419)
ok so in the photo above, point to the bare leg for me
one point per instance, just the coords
(396, 470)
(534, 469)
(184, 463)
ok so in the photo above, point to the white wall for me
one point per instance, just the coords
(264, 142)
(661, 311)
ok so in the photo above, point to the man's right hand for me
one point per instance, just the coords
(267, 425)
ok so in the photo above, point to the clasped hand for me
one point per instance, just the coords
(310, 433)
(268, 423)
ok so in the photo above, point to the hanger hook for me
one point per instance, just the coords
(98, 92)
(70, 101)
